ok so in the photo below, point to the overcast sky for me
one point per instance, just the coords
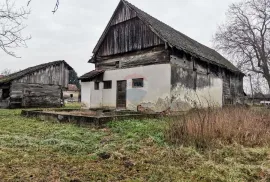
(73, 31)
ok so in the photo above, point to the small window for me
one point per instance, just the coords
(138, 82)
(71, 95)
(96, 85)
(117, 64)
(107, 84)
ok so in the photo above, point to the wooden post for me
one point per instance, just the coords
(252, 94)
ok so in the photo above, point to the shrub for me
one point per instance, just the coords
(203, 128)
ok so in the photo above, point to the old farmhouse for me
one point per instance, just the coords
(141, 61)
(38, 86)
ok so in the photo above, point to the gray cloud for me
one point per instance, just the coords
(73, 31)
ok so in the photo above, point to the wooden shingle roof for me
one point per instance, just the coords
(178, 40)
(91, 75)
(30, 70)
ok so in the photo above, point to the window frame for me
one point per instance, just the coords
(105, 86)
(134, 80)
(117, 64)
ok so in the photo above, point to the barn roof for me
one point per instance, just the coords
(177, 39)
(30, 70)
(72, 87)
(91, 75)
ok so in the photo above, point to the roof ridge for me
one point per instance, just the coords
(128, 3)
(34, 67)
(30, 70)
(193, 43)
(174, 38)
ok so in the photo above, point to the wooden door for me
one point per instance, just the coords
(121, 94)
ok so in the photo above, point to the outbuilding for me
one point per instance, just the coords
(38, 86)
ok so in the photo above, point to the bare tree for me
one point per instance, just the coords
(11, 27)
(6, 72)
(54, 9)
(246, 36)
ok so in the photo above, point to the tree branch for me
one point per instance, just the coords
(54, 9)
(11, 22)
(246, 36)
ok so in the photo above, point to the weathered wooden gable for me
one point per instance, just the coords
(126, 33)
(51, 75)
(123, 13)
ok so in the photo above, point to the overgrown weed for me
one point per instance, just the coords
(204, 128)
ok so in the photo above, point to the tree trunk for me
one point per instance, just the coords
(267, 77)
(268, 81)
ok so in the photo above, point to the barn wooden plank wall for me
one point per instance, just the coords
(35, 95)
(232, 87)
(135, 59)
(127, 33)
(54, 75)
(123, 14)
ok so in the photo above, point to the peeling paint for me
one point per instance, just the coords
(185, 98)
(160, 106)
(202, 84)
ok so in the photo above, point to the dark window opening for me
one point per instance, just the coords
(181, 54)
(214, 70)
(188, 56)
(107, 84)
(5, 94)
(71, 95)
(137, 83)
(96, 85)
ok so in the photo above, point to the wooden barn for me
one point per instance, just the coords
(38, 86)
(143, 62)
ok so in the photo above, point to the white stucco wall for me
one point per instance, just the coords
(158, 94)
(96, 96)
(75, 94)
(85, 94)
(155, 94)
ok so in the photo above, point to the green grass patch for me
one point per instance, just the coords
(132, 150)
(137, 130)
